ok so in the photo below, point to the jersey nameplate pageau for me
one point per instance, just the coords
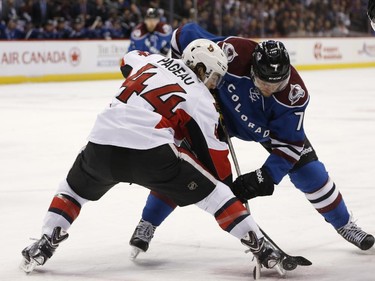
(177, 69)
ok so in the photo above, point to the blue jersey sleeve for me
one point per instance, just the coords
(187, 33)
(287, 138)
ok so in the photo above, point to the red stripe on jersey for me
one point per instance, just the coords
(65, 206)
(331, 206)
(285, 156)
(288, 142)
(229, 215)
(221, 162)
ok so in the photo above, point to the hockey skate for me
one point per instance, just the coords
(141, 238)
(40, 251)
(265, 255)
(355, 235)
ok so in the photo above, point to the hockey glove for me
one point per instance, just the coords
(371, 10)
(251, 185)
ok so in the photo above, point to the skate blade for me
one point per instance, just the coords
(28, 266)
(280, 270)
(257, 270)
(134, 253)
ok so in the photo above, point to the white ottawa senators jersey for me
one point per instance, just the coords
(158, 98)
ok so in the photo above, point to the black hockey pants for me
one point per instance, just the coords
(166, 169)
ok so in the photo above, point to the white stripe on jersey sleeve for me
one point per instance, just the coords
(293, 151)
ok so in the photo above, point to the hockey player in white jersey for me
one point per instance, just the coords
(135, 140)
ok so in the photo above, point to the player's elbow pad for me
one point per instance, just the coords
(125, 70)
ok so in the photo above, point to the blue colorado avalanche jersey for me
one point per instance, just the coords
(249, 115)
(156, 42)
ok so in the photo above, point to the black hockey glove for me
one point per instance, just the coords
(371, 10)
(221, 134)
(251, 185)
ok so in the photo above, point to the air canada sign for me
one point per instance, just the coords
(43, 57)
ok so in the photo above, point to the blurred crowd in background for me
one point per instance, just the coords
(115, 19)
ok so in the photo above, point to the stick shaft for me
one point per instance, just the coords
(236, 164)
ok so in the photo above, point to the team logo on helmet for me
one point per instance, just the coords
(229, 51)
(275, 66)
(210, 48)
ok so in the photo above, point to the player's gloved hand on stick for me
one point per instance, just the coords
(251, 185)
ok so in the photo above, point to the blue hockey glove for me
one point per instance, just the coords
(251, 185)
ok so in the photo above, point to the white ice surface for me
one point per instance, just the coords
(43, 126)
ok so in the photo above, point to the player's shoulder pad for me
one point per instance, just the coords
(163, 28)
(295, 94)
(139, 31)
(131, 60)
(238, 51)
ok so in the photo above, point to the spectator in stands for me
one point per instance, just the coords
(48, 32)
(100, 10)
(42, 11)
(98, 31)
(340, 30)
(31, 32)
(116, 30)
(2, 31)
(128, 22)
(63, 9)
(355, 11)
(267, 18)
(25, 10)
(84, 10)
(9, 10)
(79, 31)
(12, 32)
(62, 29)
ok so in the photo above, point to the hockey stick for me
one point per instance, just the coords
(289, 262)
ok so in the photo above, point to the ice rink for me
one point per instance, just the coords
(43, 126)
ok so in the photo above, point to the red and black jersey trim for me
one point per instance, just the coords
(65, 206)
(231, 214)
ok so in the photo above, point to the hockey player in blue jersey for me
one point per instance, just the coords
(263, 99)
(151, 35)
